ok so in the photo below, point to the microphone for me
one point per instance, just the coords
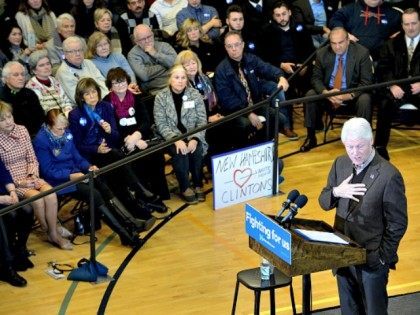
(291, 197)
(299, 203)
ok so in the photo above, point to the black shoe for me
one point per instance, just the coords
(22, 263)
(309, 144)
(132, 242)
(157, 206)
(10, 276)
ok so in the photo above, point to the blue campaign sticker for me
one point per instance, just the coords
(384, 21)
(251, 45)
(299, 27)
(268, 233)
(82, 121)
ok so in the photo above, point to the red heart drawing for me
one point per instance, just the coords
(241, 177)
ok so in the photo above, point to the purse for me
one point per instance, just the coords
(88, 271)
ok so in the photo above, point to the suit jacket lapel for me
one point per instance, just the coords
(372, 172)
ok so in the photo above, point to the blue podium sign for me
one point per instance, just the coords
(268, 233)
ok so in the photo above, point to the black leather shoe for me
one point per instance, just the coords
(309, 144)
(22, 263)
(10, 276)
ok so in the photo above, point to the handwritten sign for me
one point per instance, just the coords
(242, 175)
(268, 233)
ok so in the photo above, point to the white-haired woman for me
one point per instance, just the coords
(46, 87)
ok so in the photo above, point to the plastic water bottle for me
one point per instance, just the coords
(266, 269)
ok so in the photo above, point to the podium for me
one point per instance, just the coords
(310, 256)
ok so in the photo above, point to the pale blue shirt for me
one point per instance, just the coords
(319, 13)
(344, 77)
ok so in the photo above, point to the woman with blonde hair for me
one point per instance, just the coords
(99, 50)
(19, 158)
(178, 109)
(200, 81)
(103, 23)
(191, 36)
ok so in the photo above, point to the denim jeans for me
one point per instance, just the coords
(184, 164)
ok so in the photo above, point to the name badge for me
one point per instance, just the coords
(128, 121)
(189, 104)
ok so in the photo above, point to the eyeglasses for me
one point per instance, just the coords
(144, 39)
(74, 51)
(235, 45)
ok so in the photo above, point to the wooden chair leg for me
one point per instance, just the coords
(235, 298)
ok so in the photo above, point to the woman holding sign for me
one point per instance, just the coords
(178, 109)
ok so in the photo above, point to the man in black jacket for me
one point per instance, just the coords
(400, 59)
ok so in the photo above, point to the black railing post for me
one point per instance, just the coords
(275, 147)
(92, 216)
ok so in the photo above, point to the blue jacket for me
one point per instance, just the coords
(230, 90)
(5, 178)
(88, 134)
(373, 31)
(57, 163)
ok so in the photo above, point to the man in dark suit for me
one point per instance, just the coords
(339, 66)
(315, 16)
(369, 195)
(399, 59)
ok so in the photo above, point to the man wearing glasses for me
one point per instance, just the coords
(241, 80)
(150, 60)
(74, 67)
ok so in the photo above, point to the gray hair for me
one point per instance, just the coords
(64, 16)
(35, 57)
(6, 69)
(356, 128)
(73, 39)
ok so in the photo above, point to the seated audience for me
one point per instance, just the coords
(243, 79)
(37, 21)
(83, 12)
(150, 60)
(100, 52)
(19, 158)
(74, 67)
(166, 11)
(339, 66)
(136, 131)
(400, 59)
(66, 26)
(96, 136)
(202, 83)
(103, 23)
(14, 231)
(46, 87)
(191, 36)
(60, 162)
(207, 17)
(178, 109)
(26, 107)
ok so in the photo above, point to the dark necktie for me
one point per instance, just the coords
(338, 80)
(410, 51)
(246, 86)
(258, 8)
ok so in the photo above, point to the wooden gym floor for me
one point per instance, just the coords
(188, 264)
